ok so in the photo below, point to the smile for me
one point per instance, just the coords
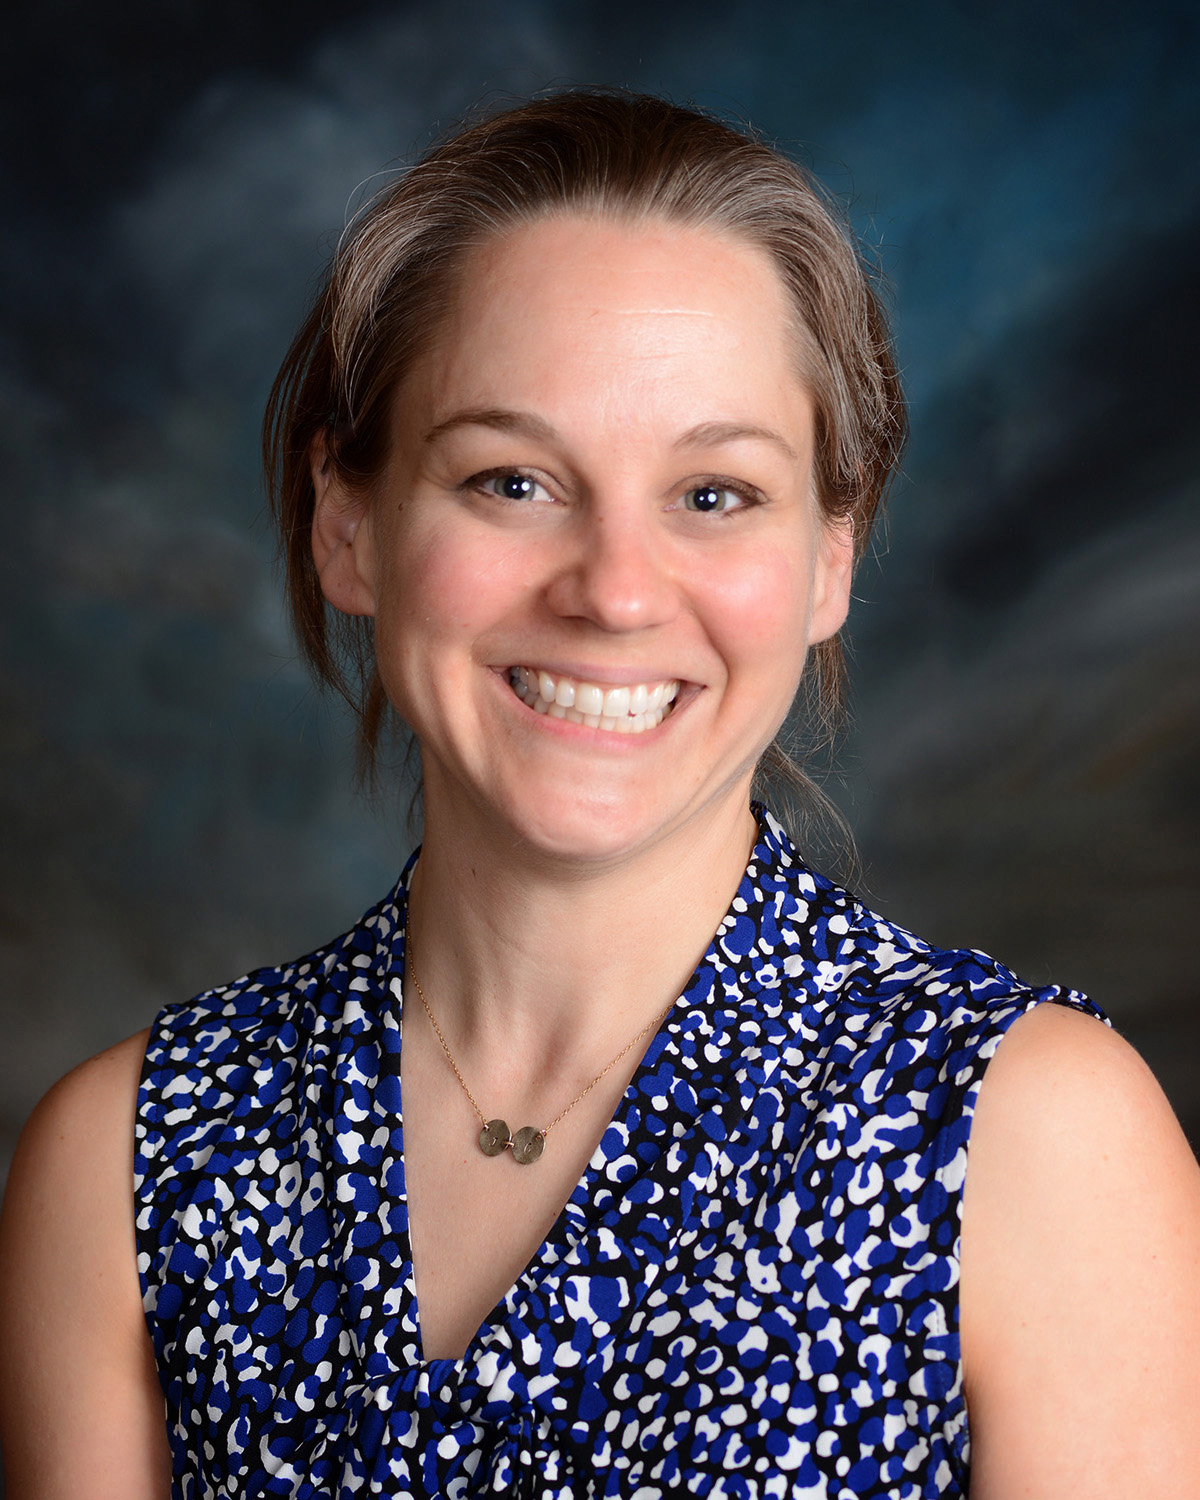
(621, 710)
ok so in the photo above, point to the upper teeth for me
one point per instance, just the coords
(627, 710)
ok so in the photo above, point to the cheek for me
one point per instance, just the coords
(759, 610)
(445, 582)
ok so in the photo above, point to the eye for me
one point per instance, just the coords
(706, 498)
(511, 484)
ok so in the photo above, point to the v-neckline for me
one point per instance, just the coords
(559, 1239)
(571, 1222)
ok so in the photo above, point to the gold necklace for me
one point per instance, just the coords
(529, 1142)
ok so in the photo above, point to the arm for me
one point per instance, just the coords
(81, 1411)
(1080, 1274)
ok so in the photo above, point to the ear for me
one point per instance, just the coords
(833, 567)
(342, 541)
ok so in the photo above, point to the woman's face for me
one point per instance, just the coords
(595, 560)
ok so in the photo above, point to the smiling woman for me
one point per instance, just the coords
(572, 462)
(537, 517)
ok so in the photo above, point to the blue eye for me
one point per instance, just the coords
(513, 486)
(711, 497)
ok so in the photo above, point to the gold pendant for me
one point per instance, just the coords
(527, 1145)
(493, 1138)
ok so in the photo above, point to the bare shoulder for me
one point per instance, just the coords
(1071, 1121)
(74, 1157)
(102, 1089)
(1080, 1271)
(1056, 1057)
(75, 1152)
(78, 1392)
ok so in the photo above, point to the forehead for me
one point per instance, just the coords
(627, 311)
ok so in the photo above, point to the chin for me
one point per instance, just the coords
(588, 830)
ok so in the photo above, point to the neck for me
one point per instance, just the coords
(535, 966)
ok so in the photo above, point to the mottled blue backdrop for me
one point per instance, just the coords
(1023, 775)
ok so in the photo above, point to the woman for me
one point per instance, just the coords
(531, 1183)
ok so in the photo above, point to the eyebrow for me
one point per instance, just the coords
(712, 434)
(525, 424)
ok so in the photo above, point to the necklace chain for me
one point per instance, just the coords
(527, 1153)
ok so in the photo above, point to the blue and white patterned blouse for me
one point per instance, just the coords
(753, 1291)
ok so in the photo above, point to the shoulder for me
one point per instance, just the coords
(246, 1016)
(81, 1132)
(882, 1000)
(78, 1392)
(1058, 1064)
(70, 1187)
(1067, 1101)
(1080, 1270)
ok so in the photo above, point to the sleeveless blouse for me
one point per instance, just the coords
(752, 1291)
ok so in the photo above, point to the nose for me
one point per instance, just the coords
(617, 573)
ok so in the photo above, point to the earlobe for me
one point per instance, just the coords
(341, 538)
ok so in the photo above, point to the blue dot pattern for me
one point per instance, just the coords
(752, 1291)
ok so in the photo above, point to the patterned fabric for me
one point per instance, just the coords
(752, 1292)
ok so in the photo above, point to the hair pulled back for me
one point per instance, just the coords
(616, 155)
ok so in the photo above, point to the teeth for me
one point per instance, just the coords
(589, 699)
(619, 710)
